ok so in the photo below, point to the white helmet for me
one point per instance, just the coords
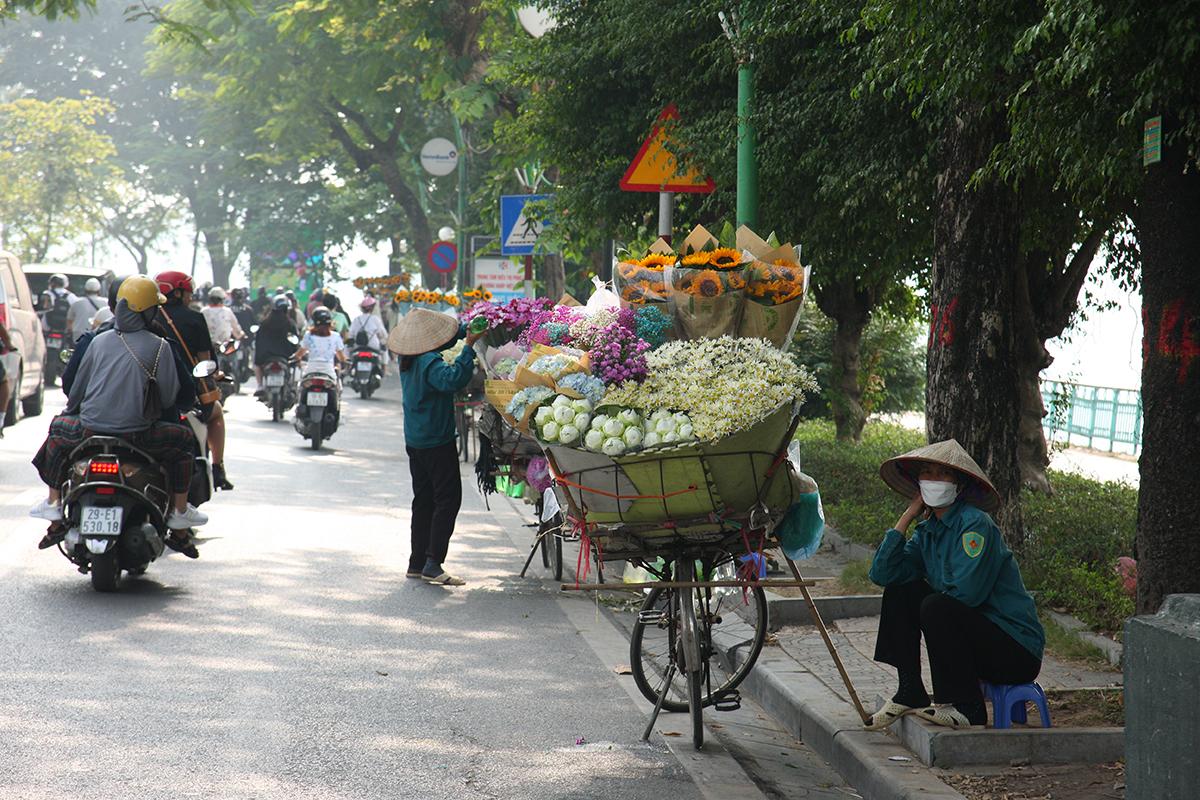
(216, 293)
(91, 286)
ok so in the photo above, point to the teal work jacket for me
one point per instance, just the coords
(429, 387)
(964, 556)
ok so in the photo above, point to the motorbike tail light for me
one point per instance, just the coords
(317, 383)
(275, 366)
(104, 468)
(106, 490)
(56, 335)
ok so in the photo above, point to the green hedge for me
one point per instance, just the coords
(1074, 536)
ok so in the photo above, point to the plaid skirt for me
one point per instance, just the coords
(172, 445)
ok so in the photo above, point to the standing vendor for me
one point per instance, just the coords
(429, 385)
(956, 582)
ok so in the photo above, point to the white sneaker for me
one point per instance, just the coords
(47, 511)
(192, 518)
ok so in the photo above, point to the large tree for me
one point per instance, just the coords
(54, 161)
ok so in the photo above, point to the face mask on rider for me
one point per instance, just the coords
(938, 494)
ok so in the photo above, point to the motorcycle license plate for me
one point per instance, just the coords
(101, 520)
(54, 344)
(274, 380)
(318, 399)
(363, 366)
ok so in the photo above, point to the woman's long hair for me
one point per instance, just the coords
(276, 321)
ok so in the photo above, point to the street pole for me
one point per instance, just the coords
(666, 215)
(461, 236)
(747, 159)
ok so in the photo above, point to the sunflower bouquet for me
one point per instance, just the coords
(775, 285)
(707, 287)
(642, 281)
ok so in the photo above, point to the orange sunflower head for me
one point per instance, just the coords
(708, 284)
(656, 261)
(725, 258)
(696, 260)
(487, 295)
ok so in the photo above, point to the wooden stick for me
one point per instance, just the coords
(812, 607)
(637, 587)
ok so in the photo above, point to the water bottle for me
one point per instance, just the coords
(478, 325)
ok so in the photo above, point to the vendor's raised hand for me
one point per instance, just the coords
(911, 513)
(472, 337)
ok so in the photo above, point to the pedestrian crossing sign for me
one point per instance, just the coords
(519, 233)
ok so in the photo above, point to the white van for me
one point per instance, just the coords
(24, 367)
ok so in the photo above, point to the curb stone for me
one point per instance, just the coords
(815, 715)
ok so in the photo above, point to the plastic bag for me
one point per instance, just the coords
(803, 527)
(537, 474)
(602, 297)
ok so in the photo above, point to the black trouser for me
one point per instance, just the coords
(437, 496)
(964, 646)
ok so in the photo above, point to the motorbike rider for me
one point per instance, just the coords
(323, 348)
(79, 317)
(271, 341)
(222, 324)
(369, 327)
(341, 322)
(245, 314)
(107, 397)
(298, 318)
(187, 327)
(56, 302)
(261, 303)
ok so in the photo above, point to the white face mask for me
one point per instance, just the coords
(938, 494)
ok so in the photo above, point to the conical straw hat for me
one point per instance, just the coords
(900, 473)
(420, 331)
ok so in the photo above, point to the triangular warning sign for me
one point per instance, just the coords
(524, 233)
(656, 168)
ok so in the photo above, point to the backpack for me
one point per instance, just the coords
(56, 317)
(152, 407)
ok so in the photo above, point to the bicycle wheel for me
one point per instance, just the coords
(730, 627)
(692, 660)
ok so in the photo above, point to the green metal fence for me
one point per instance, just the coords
(1099, 417)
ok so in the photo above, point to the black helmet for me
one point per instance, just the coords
(321, 316)
(330, 300)
(280, 303)
(113, 288)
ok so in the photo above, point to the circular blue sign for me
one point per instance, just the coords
(443, 256)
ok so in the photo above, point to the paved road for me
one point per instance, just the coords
(294, 660)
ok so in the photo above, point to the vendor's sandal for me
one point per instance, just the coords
(945, 715)
(890, 712)
(54, 534)
(183, 544)
(414, 573)
(445, 579)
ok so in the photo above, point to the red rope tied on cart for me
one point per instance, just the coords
(613, 495)
(583, 563)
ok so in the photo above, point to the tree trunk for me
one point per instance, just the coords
(971, 392)
(1167, 211)
(214, 243)
(421, 237)
(849, 305)
(396, 256)
(554, 276)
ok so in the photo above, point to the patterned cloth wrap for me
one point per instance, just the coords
(173, 445)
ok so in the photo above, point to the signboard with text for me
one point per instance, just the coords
(500, 276)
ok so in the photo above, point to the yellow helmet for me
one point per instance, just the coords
(140, 292)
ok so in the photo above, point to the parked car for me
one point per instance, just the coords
(24, 367)
(38, 276)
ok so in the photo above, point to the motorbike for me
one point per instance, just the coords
(56, 343)
(279, 387)
(318, 411)
(228, 358)
(116, 501)
(366, 371)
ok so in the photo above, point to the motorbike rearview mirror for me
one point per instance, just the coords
(293, 338)
(254, 329)
(65, 354)
(204, 369)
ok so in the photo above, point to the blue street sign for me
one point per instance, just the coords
(443, 256)
(518, 234)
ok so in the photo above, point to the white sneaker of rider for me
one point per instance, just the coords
(191, 518)
(47, 511)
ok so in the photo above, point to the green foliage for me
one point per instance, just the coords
(1075, 535)
(1065, 644)
(54, 163)
(892, 362)
(854, 578)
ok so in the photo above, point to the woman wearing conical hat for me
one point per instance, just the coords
(430, 435)
(955, 582)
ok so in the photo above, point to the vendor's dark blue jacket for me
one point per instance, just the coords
(429, 388)
(184, 399)
(964, 555)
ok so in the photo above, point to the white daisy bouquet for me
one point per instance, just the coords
(723, 385)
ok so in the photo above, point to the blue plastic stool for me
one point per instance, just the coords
(1008, 702)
